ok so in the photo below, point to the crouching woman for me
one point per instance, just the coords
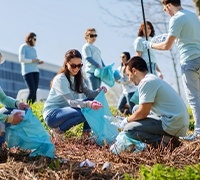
(62, 109)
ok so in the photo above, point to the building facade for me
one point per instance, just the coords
(11, 80)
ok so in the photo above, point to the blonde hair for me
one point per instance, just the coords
(88, 31)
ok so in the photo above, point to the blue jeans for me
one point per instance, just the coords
(32, 81)
(93, 81)
(148, 130)
(125, 99)
(191, 81)
(65, 118)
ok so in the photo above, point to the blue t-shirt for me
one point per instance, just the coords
(167, 104)
(90, 50)
(185, 26)
(29, 53)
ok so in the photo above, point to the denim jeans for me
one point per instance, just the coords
(191, 81)
(65, 118)
(32, 81)
(148, 130)
(125, 99)
(93, 81)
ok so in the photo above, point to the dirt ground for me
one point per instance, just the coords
(71, 152)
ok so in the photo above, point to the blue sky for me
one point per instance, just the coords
(59, 25)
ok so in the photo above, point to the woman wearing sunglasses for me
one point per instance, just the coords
(29, 65)
(62, 109)
(92, 56)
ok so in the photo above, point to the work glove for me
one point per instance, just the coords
(103, 88)
(123, 123)
(147, 44)
(95, 105)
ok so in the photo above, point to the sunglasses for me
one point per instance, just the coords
(74, 66)
(92, 35)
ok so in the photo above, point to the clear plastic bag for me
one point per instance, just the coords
(159, 38)
(123, 142)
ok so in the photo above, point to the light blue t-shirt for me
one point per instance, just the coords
(185, 26)
(90, 50)
(167, 104)
(6, 101)
(139, 46)
(28, 52)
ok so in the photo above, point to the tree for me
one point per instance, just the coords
(197, 5)
(129, 17)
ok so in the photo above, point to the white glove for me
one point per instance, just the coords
(124, 123)
(147, 44)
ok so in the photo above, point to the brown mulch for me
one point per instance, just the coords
(72, 151)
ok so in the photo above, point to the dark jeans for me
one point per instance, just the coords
(32, 81)
(125, 99)
(93, 81)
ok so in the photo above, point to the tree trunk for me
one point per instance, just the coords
(197, 5)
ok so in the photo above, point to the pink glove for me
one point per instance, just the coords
(22, 105)
(95, 105)
(103, 88)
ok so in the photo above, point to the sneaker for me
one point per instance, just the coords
(191, 137)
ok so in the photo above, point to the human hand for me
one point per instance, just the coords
(103, 88)
(147, 44)
(22, 105)
(124, 123)
(160, 75)
(15, 118)
(35, 60)
(41, 62)
(95, 105)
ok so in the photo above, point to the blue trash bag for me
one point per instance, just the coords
(106, 75)
(30, 134)
(103, 130)
(116, 74)
(123, 142)
(135, 97)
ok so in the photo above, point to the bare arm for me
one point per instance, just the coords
(141, 113)
(166, 45)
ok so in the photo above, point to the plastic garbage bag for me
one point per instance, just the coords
(102, 128)
(30, 134)
(159, 38)
(106, 75)
(135, 97)
(123, 142)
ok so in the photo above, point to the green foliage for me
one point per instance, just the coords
(191, 125)
(37, 110)
(55, 164)
(160, 172)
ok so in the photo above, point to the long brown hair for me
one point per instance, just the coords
(78, 78)
(141, 33)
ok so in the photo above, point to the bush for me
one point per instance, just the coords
(160, 172)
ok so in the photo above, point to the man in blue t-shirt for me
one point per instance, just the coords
(184, 28)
